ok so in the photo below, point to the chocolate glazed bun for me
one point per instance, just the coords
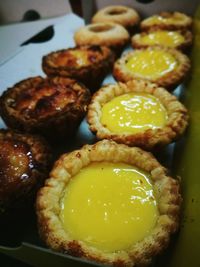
(24, 165)
(52, 107)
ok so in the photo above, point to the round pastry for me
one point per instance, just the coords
(174, 39)
(109, 34)
(53, 107)
(167, 21)
(138, 113)
(109, 203)
(24, 164)
(165, 66)
(88, 64)
(126, 16)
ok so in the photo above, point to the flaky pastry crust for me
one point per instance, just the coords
(100, 61)
(181, 22)
(52, 107)
(169, 80)
(175, 126)
(124, 15)
(137, 43)
(139, 254)
(109, 34)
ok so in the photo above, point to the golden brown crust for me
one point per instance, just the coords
(138, 44)
(140, 254)
(108, 34)
(152, 138)
(182, 22)
(100, 60)
(24, 164)
(52, 107)
(126, 16)
(169, 80)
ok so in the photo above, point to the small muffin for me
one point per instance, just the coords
(53, 107)
(126, 16)
(167, 21)
(24, 164)
(165, 66)
(109, 203)
(109, 34)
(88, 64)
(138, 113)
(180, 40)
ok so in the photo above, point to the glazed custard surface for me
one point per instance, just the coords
(169, 38)
(133, 113)
(73, 58)
(109, 206)
(167, 20)
(151, 64)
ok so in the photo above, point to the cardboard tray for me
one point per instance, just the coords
(20, 239)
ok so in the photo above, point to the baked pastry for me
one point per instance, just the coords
(88, 64)
(24, 164)
(124, 15)
(167, 21)
(52, 107)
(109, 203)
(138, 113)
(180, 40)
(165, 66)
(109, 34)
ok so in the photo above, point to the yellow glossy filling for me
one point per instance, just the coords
(133, 113)
(151, 64)
(167, 20)
(109, 206)
(167, 38)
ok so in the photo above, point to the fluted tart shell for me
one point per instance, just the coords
(139, 254)
(136, 40)
(174, 127)
(181, 22)
(169, 80)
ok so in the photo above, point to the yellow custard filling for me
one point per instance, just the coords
(73, 58)
(167, 20)
(151, 64)
(109, 206)
(167, 38)
(133, 113)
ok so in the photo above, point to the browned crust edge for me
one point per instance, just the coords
(114, 36)
(61, 125)
(169, 81)
(151, 138)
(140, 254)
(185, 24)
(137, 44)
(91, 75)
(126, 16)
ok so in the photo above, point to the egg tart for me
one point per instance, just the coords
(52, 107)
(109, 203)
(123, 15)
(108, 34)
(180, 40)
(88, 64)
(167, 21)
(137, 113)
(165, 66)
(24, 164)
